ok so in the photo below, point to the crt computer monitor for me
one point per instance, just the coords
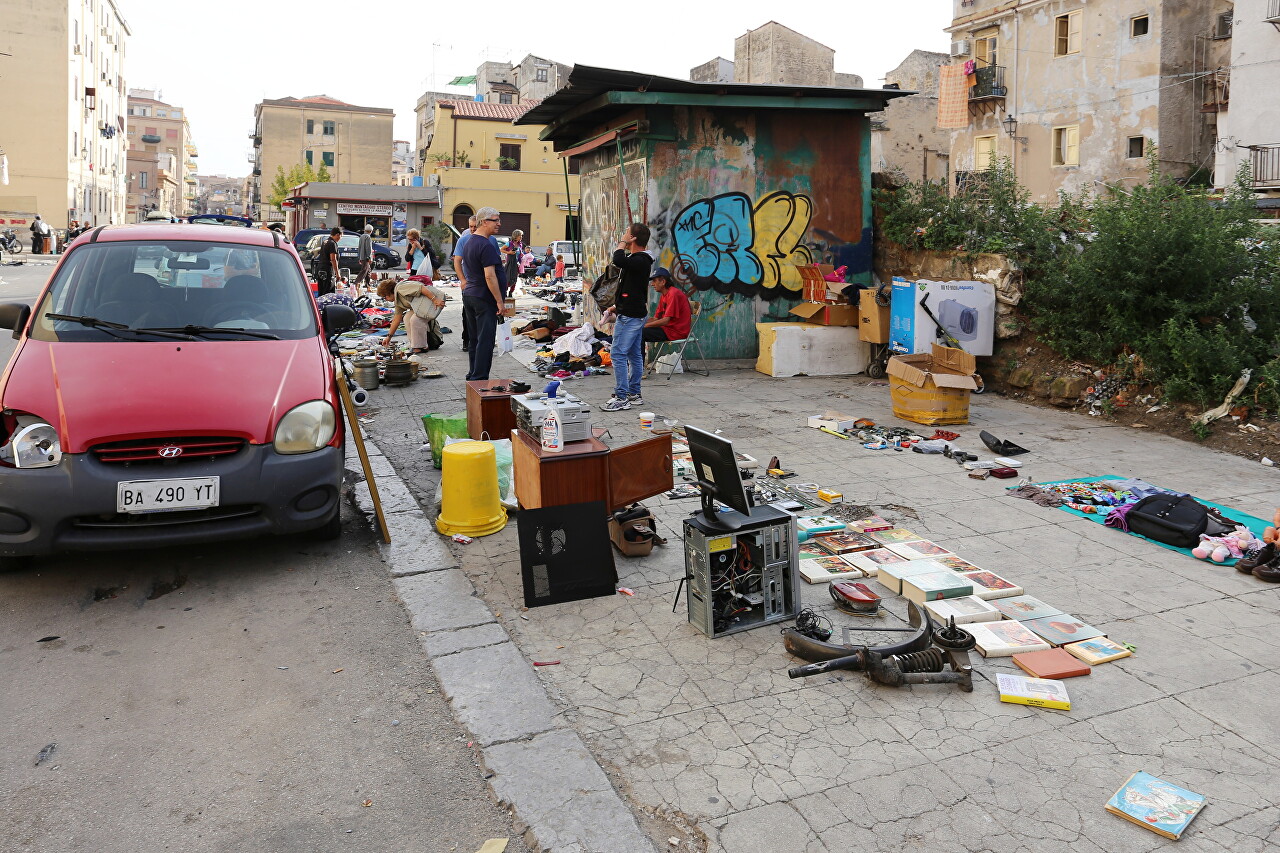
(716, 470)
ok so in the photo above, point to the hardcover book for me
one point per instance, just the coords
(1004, 638)
(951, 561)
(921, 549)
(1024, 607)
(966, 610)
(988, 585)
(890, 576)
(818, 523)
(828, 568)
(893, 536)
(810, 550)
(1160, 806)
(1062, 629)
(1054, 663)
(1098, 650)
(1037, 692)
(846, 543)
(871, 561)
(935, 586)
(870, 524)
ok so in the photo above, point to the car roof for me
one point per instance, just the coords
(191, 232)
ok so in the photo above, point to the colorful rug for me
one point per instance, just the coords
(1255, 525)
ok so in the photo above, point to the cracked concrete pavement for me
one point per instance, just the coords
(712, 743)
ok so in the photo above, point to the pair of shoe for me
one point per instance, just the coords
(618, 404)
(1264, 565)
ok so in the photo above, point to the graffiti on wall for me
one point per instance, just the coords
(728, 244)
(609, 205)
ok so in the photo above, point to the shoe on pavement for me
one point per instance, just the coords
(617, 405)
(1269, 571)
(1265, 554)
(635, 399)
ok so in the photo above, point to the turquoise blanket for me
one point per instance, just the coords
(1255, 525)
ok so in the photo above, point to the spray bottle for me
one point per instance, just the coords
(552, 434)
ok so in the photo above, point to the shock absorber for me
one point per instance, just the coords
(929, 660)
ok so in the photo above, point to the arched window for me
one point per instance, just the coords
(461, 214)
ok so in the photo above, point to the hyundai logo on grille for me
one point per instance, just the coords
(170, 452)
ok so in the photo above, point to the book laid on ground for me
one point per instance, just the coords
(1162, 807)
(846, 542)
(921, 549)
(951, 561)
(871, 561)
(809, 550)
(1062, 629)
(935, 586)
(1054, 663)
(1024, 607)
(989, 585)
(890, 576)
(1037, 692)
(893, 536)
(818, 523)
(1098, 650)
(870, 524)
(828, 568)
(1004, 638)
(966, 610)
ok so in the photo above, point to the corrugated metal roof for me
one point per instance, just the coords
(484, 109)
(586, 83)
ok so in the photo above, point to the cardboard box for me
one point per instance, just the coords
(933, 389)
(817, 288)
(873, 319)
(827, 315)
(794, 349)
(831, 420)
(967, 309)
(537, 334)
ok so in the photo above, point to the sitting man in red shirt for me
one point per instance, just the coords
(671, 321)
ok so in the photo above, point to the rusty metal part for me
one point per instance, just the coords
(827, 654)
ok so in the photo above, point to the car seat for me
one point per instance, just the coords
(133, 298)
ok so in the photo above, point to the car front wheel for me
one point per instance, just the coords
(380, 263)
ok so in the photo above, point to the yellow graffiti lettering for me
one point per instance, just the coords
(780, 221)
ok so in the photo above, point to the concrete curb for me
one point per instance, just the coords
(537, 766)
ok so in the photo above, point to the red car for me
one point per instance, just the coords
(172, 385)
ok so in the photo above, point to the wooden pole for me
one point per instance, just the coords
(349, 406)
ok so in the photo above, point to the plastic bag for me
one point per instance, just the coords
(504, 337)
(440, 427)
(506, 483)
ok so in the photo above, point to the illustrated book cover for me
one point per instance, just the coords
(1004, 638)
(870, 524)
(1062, 629)
(935, 586)
(955, 564)
(1036, 692)
(893, 535)
(1162, 807)
(890, 576)
(819, 523)
(966, 609)
(989, 585)
(921, 549)
(810, 550)
(1054, 663)
(826, 569)
(846, 543)
(871, 561)
(1024, 607)
(1098, 650)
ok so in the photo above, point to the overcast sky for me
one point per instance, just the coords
(217, 60)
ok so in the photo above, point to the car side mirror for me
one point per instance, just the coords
(14, 315)
(337, 319)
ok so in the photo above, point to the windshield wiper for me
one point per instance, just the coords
(115, 328)
(204, 330)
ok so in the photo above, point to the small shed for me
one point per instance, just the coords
(738, 183)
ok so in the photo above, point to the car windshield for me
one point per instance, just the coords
(206, 290)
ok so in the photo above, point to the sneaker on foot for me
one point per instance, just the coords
(617, 405)
(635, 399)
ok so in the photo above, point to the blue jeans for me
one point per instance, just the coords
(481, 317)
(628, 355)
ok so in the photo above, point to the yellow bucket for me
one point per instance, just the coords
(470, 476)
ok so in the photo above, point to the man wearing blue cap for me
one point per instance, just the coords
(672, 319)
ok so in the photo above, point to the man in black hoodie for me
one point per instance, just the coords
(630, 307)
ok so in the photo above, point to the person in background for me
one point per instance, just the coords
(628, 313)
(548, 264)
(671, 320)
(514, 251)
(414, 252)
(364, 254)
(39, 231)
(559, 269)
(401, 294)
(462, 279)
(325, 267)
(527, 260)
(278, 227)
(482, 297)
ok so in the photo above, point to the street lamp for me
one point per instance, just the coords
(1011, 129)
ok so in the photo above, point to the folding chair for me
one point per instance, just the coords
(677, 348)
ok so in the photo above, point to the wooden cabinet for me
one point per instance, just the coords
(489, 411)
(590, 471)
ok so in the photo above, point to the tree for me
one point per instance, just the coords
(299, 173)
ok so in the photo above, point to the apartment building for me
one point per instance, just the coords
(905, 138)
(773, 54)
(1246, 100)
(65, 94)
(157, 127)
(477, 158)
(531, 79)
(353, 143)
(155, 185)
(403, 163)
(1075, 92)
(219, 194)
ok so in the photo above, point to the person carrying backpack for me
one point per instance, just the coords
(39, 233)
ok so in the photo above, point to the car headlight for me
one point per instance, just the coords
(306, 428)
(33, 445)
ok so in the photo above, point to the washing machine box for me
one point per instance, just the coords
(966, 309)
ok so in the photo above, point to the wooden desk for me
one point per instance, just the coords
(590, 471)
(489, 411)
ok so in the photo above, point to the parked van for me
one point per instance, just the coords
(568, 248)
(173, 384)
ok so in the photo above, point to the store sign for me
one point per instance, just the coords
(364, 209)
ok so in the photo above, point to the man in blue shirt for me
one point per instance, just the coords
(482, 291)
(462, 279)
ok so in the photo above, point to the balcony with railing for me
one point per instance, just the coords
(1265, 162)
(1273, 13)
(987, 94)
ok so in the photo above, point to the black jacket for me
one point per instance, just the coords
(633, 291)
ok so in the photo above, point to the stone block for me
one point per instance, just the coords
(1068, 388)
(1021, 377)
(440, 643)
(441, 601)
(495, 693)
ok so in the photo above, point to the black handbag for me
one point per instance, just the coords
(1176, 521)
(605, 289)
